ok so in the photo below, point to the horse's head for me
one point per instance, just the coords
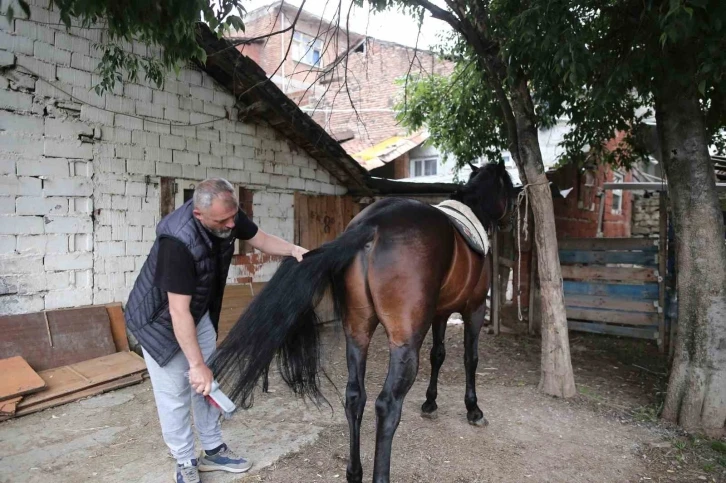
(489, 193)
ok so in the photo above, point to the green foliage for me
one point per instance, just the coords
(595, 63)
(452, 109)
(168, 24)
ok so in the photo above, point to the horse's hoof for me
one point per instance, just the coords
(354, 477)
(430, 415)
(481, 422)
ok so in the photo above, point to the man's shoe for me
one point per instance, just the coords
(187, 472)
(224, 460)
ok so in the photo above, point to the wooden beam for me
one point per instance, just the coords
(495, 283)
(620, 274)
(662, 255)
(612, 303)
(720, 187)
(612, 316)
(532, 281)
(575, 257)
(646, 291)
(507, 263)
(605, 244)
(635, 332)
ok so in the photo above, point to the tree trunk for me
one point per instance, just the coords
(696, 397)
(556, 377)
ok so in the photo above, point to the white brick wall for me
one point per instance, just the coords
(79, 188)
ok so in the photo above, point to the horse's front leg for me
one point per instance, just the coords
(472, 327)
(438, 354)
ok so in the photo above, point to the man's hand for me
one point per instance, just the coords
(298, 252)
(201, 377)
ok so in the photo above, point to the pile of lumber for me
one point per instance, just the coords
(55, 357)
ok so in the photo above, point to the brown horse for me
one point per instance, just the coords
(400, 263)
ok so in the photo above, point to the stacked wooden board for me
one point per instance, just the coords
(614, 286)
(51, 358)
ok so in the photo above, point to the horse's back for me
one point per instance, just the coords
(401, 214)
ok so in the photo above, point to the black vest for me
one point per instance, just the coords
(147, 311)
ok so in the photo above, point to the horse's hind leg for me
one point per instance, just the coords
(438, 354)
(359, 324)
(473, 323)
(402, 369)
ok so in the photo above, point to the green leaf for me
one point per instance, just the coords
(702, 87)
(26, 8)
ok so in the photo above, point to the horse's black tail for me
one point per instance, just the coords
(281, 320)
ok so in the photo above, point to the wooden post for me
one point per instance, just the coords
(495, 282)
(532, 282)
(662, 256)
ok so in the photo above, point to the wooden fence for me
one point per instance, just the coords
(614, 286)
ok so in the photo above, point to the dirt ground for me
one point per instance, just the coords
(609, 433)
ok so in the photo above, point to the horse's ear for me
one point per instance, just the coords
(474, 168)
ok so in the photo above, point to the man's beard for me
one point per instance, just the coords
(221, 233)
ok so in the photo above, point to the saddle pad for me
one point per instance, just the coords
(467, 224)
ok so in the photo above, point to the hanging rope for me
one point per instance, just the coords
(522, 196)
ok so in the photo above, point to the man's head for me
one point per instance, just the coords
(215, 206)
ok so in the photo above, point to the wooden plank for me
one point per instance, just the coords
(572, 257)
(604, 244)
(634, 332)
(612, 316)
(495, 285)
(9, 407)
(166, 196)
(532, 281)
(75, 377)
(118, 326)
(505, 262)
(79, 335)
(611, 303)
(646, 291)
(621, 274)
(83, 393)
(18, 378)
(27, 336)
(662, 255)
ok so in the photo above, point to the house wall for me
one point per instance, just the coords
(576, 216)
(372, 82)
(80, 174)
(292, 76)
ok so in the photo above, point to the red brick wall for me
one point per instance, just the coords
(270, 52)
(576, 216)
(367, 78)
(372, 84)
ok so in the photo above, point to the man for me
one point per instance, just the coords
(173, 311)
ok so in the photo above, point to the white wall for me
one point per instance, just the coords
(77, 215)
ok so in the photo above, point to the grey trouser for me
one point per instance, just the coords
(175, 397)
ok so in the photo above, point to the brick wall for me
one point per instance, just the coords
(576, 216)
(372, 82)
(369, 76)
(80, 185)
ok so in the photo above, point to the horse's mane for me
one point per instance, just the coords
(486, 193)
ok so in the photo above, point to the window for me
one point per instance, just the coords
(307, 50)
(617, 206)
(423, 167)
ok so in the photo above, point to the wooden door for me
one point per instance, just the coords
(320, 219)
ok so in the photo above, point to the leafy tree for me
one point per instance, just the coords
(600, 64)
(488, 104)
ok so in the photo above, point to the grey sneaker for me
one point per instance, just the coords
(224, 460)
(187, 473)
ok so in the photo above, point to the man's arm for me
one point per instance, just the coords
(273, 245)
(185, 331)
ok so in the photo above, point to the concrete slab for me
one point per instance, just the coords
(116, 437)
